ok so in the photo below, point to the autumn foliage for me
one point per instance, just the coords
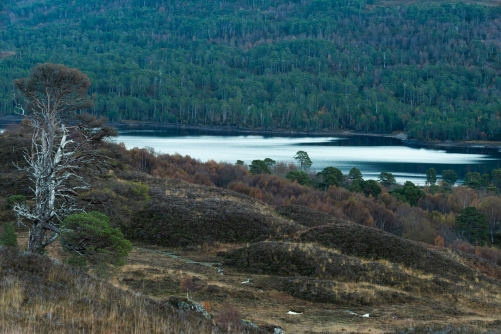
(432, 215)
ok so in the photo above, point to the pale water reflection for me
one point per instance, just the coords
(371, 155)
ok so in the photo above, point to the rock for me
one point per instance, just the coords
(187, 306)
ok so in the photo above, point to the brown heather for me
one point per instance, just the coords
(39, 296)
(254, 248)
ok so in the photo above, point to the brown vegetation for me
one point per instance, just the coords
(200, 215)
(37, 293)
(316, 252)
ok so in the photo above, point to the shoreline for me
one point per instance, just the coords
(283, 132)
(131, 125)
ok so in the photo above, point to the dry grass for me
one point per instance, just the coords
(261, 302)
(401, 284)
(38, 296)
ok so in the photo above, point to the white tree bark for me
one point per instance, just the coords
(53, 160)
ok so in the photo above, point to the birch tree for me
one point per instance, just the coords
(50, 92)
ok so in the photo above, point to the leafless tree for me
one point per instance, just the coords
(491, 208)
(50, 92)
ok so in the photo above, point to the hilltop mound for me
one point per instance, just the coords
(370, 243)
(322, 275)
(306, 216)
(182, 214)
(315, 266)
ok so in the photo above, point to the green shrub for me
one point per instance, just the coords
(12, 200)
(9, 236)
(77, 261)
(301, 177)
(90, 234)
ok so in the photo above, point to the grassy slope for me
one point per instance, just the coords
(320, 266)
(39, 296)
(330, 271)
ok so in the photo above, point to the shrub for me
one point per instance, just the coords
(301, 177)
(230, 319)
(439, 241)
(90, 234)
(188, 286)
(9, 236)
(12, 200)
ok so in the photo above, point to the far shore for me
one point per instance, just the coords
(6, 120)
(284, 132)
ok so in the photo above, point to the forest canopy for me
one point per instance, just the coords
(431, 70)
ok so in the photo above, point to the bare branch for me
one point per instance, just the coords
(54, 158)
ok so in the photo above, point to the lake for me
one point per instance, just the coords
(372, 155)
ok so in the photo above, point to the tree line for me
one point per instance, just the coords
(465, 216)
(430, 70)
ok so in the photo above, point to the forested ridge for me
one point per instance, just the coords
(428, 69)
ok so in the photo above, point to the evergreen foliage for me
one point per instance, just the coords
(473, 225)
(449, 177)
(387, 179)
(14, 199)
(431, 176)
(9, 236)
(431, 70)
(496, 178)
(259, 167)
(355, 175)
(370, 188)
(303, 159)
(409, 193)
(91, 235)
(329, 176)
(301, 177)
(270, 162)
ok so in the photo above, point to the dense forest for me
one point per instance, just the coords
(431, 70)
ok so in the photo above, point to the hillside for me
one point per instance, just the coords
(428, 68)
(254, 253)
(42, 296)
(329, 272)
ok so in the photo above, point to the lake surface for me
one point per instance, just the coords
(372, 155)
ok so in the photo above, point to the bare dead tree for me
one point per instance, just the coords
(54, 159)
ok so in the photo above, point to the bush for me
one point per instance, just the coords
(14, 199)
(230, 319)
(90, 234)
(187, 286)
(301, 177)
(9, 236)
